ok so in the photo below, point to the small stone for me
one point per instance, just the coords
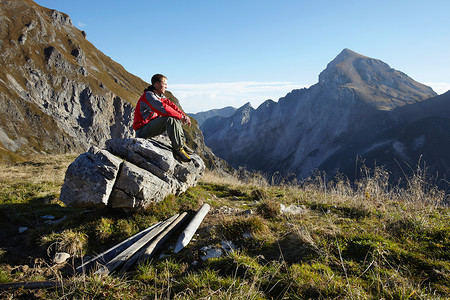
(211, 252)
(291, 209)
(61, 257)
(247, 235)
(24, 268)
(227, 246)
(163, 255)
(53, 222)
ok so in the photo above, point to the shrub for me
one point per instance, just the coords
(104, 228)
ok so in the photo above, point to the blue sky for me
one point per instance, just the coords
(221, 53)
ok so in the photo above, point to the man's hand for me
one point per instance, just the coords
(186, 120)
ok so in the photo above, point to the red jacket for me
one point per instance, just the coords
(151, 106)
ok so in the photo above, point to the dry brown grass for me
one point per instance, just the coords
(239, 179)
(68, 241)
(51, 168)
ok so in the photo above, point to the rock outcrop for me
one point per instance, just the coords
(129, 174)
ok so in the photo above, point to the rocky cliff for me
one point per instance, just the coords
(355, 105)
(58, 93)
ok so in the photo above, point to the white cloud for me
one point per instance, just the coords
(81, 25)
(205, 96)
(439, 87)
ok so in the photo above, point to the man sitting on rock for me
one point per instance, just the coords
(155, 113)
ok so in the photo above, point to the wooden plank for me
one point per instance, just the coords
(31, 285)
(146, 252)
(109, 254)
(190, 230)
(132, 249)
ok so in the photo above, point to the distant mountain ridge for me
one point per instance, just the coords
(58, 93)
(204, 115)
(359, 107)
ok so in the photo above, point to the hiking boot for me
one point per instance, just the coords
(188, 150)
(181, 154)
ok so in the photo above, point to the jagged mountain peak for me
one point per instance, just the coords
(266, 104)
(243, 113)
(246, 107)
(373, 80)
(348, 54)
(351, 67)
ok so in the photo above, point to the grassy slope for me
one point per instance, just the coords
(366, 242)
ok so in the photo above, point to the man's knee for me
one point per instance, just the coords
(171, 121)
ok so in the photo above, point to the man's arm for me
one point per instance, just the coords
(164, 106)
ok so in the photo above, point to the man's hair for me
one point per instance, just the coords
(157, 78)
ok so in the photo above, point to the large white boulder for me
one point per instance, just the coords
(89, 180)
(129, 174)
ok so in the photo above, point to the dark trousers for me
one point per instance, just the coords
(157, 126)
